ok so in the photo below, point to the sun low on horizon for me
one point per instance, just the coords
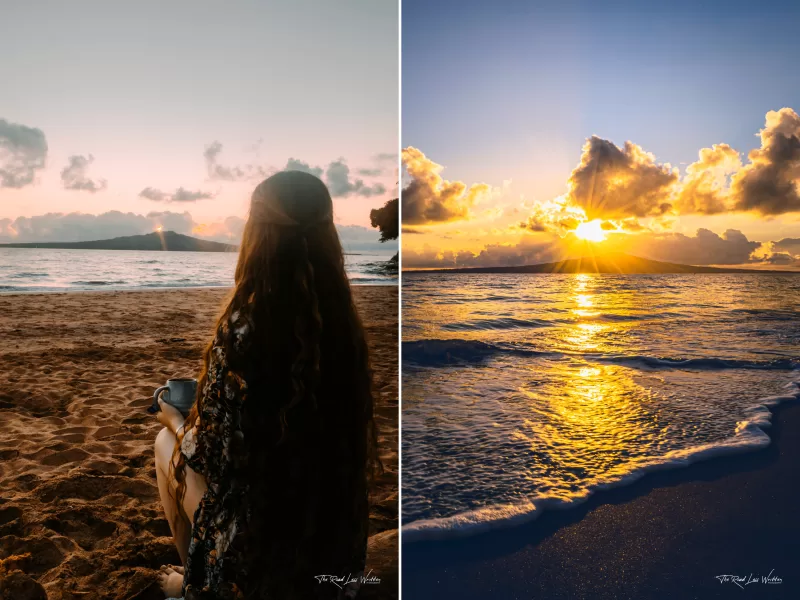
(621, 135)
(591, 231)
(618, 199)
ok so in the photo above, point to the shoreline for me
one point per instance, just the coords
(156, 289)
(751, 437)
(635, 541)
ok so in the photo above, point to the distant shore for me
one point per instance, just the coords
(612, 264)
(671, 534)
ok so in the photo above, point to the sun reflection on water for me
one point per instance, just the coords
(552, 411)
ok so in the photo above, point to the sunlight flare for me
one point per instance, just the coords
(591, 231)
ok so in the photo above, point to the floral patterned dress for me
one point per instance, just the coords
(214, 448)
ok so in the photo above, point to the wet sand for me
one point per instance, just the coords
(669, 535)
(79, 508)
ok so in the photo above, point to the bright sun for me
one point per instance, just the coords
(159, 229)
(591, 231)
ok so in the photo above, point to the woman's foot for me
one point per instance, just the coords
(171, 581)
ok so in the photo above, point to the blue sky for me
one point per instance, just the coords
(518, 79)
(506, 93)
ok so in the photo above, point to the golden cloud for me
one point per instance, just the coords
(613, 182)
(429, 198)
(622, 185)
(704, 189)
(769, 184)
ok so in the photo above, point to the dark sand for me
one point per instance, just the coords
(666, 536)
(79, 508)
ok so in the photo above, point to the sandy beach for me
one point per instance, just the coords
(669, 535)
(79, 510)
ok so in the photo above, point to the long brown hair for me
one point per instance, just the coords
(307, 421)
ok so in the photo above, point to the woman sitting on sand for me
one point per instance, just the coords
(265, 483)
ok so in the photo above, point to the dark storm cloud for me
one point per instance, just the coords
(23, 153)
(75, 175)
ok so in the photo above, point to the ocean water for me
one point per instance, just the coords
(524, 393)
(50, 270)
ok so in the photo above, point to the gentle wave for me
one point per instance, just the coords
(633, 374)
(767, 314)
(750, 435)
(710, 364)
(84, 286)
(444, 352)
(434, 353)
(99, 282)
(501, 323)
(506, 323)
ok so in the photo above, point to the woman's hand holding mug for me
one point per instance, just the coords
(169, 416)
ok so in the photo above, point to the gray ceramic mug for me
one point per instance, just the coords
(179, 392)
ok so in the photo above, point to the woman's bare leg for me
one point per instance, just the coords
(180, 521)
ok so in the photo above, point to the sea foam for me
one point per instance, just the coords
(749, 435)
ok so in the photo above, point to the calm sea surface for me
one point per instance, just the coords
(523, 393)
(42, 270)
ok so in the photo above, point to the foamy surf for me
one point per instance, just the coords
(749, 435)
(540, 397)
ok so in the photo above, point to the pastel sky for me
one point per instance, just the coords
(509, 95)
(183, 107)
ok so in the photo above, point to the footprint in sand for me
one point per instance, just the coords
(93, 487)
(45, 553)
(26, 482)
(83, 527)
(113, 431)
(74, 429)
(67, 456)
(10, 521)
(72, 438)
(138, 420)
(106, 467)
